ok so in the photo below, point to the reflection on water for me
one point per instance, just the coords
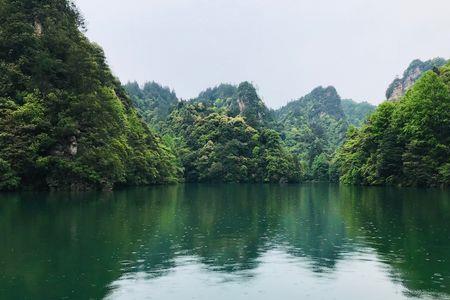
(316, 241)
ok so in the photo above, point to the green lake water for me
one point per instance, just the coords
(311, 241)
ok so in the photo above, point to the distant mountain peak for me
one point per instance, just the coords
(320, 101)
(329, 91)
(153, 101)
(416, 68)
(237, 100)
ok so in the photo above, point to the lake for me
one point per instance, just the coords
(227, 241)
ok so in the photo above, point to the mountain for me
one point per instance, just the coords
(154, 102)
(355, 112)
(219, 96)
(65, 120)
(414, 71)
(308, 130)
(406, 142)
(313, 127)
(241, 100)
(225, 135)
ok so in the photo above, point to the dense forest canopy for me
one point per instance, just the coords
(355, 112)
(406, 142)
(67, 123)
(226, 135)
(218, 96)
(207, 132)
(153, 101)
(240, 100)
(65, 120)
(313, 127)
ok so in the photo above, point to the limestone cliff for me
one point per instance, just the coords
(414, 71)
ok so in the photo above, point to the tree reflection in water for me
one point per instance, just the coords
(82, 245)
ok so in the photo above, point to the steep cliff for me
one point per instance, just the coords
(405, 142)
(414, 71)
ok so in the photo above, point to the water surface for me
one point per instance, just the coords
(312, 241)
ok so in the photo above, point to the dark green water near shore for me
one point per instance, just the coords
(312, 241)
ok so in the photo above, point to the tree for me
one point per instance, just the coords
(404, 143)
(66, 122)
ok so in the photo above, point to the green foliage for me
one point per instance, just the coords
(356, 113)
(320, 167)
(217, 143)
(65, 121)
(220, 96)
(404, 143)
(312, 128)
(223, 135)
(153, 102)
(251, 107)
(241, 100)
(8, 178)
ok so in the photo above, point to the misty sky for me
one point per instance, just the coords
(285, 47)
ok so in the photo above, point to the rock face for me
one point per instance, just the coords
(399, 86)
(241, 100)
(37, 28)
(397, 92)
(251, 107)
(72, 148)
(241, 105)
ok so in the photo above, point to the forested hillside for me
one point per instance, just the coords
(153, 102)
(355, 112)
(65, 121)
(406, 142)
(225, 135)
(228, 134)
(239, 100)
(313, 127)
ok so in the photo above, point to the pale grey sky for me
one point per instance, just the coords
(285, 47)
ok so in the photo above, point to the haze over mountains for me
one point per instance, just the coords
(311, 128)
(67, 123)
(356, 46)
